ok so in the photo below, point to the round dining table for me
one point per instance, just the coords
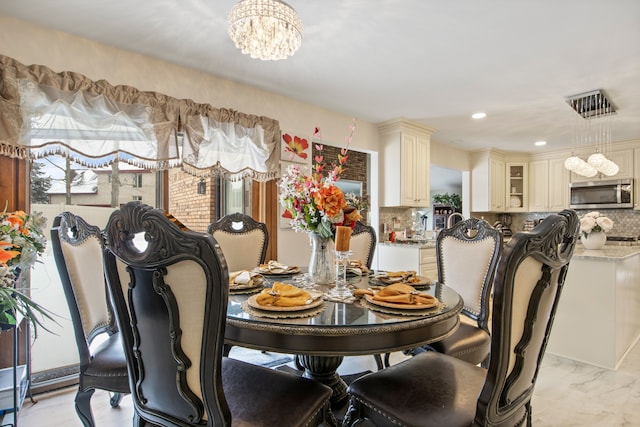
(339, 329)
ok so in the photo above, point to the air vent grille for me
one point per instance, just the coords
(591, 105)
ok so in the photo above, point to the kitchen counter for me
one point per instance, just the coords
(608, 252)
(416, 244)
(598, 317)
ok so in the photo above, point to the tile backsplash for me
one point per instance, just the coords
(626, 222)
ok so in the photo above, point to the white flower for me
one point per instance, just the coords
(594, 221)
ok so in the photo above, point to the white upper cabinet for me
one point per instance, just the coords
(487, 181)
(405, 159)
(548, 185)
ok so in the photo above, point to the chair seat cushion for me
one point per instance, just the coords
(260, 396)
(468, 343)
(108, 366)
(430, 389)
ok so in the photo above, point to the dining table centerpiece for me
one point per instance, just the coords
(21, 243)
(314, 204)
(593, 229)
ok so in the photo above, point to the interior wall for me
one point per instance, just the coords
(31, 44)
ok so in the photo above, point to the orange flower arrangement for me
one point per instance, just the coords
(21, 242)
(313, 202)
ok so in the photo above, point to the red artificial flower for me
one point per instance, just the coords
(296, 146)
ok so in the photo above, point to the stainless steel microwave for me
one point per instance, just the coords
(602, 194)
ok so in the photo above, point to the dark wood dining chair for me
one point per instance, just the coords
(435, 389)
(243, 240)
(467, 255)
(170, 291)
(78, 250)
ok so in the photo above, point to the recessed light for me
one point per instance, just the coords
(479, 116)
(540, 143)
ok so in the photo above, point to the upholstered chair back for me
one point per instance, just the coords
(78, 251)
(467, 256)
(243, 240)
(529, 282)
(363, 243)
(170, 291)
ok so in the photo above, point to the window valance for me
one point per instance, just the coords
(43, 112)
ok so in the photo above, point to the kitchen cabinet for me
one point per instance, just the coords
(624, 160)
(405, 158)
(410, 257)
(548, 185)
(487, 181)
(636, 174)
(516, 198)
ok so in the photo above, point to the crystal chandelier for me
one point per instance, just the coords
(590, 106)
(265, 29)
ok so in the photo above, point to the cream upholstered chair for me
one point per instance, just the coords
(170, 292)
(242, 239)
(363, 243)
(434, 389)
(77, 249)
(467, 255)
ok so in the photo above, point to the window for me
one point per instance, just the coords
(136, 180)
(137, 198)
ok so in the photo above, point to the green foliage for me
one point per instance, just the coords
(449, 199)
(40, 184)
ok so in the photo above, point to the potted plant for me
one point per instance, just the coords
(453, 200)
(21, 243)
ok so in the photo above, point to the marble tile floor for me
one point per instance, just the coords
(567, 394)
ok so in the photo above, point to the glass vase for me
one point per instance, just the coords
(322, 262)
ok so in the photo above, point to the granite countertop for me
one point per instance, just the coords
(611, 252)
(417, 244)
(608, 252)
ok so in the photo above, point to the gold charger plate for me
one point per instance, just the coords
(316, 300)
(370, 300)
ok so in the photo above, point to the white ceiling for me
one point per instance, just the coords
(435, 62)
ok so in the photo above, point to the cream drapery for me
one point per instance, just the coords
(95, 123)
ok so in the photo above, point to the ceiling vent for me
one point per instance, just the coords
(591, 105)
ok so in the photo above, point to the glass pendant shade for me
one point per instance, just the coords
(596, 160)
(609, 168)
(265, 29)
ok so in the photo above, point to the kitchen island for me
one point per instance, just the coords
(418, 256)
(598, 317)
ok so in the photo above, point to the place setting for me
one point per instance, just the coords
(385, 278)
(283, 301)
(274, 268)
(245, 282)
(398, 299)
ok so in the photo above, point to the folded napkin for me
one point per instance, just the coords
(357, 267)
(400, 293)
(397, 277)
(275, 267)
(284, 295)
(243, 279)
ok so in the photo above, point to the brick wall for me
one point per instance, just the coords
(356, 166)
(194, 210)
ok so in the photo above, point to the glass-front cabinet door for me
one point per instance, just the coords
(517, 197)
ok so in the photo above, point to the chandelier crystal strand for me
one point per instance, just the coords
(592, 106)
(265, 29)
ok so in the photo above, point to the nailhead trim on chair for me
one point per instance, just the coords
(391, 420)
